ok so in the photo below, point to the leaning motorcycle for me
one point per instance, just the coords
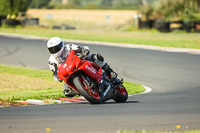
(84, 77)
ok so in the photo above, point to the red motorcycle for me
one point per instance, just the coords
(84, 77)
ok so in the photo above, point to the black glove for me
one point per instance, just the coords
(86, 52)
(99, 57)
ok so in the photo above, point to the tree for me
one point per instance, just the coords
(39, 3)
(173, 10)
(192, 10)
(12, 7)
(106, 3)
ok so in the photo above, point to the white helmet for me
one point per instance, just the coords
(55, 46)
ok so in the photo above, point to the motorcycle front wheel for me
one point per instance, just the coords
(92, 95)
(121, 94)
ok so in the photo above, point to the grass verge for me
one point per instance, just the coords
(18, 83)
(180, 40)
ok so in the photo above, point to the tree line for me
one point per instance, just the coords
(16, 6)
(90, 4)
(173, 10)
(151, 9)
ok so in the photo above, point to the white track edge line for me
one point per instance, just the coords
(148, 90)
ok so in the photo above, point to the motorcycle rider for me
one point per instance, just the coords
(59, 52)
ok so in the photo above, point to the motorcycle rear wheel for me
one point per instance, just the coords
(121, 95)
(92, 95)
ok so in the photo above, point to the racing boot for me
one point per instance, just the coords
(109, 71)
(69, 92)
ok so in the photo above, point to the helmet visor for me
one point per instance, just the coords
(56, 48)
(61, 56)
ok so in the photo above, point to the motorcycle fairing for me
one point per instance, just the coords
(73, 63)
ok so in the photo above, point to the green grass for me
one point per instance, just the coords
(18, 83)
(32, 73)
(180, 40)
(133, 88)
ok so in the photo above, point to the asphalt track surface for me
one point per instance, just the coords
(175, 100)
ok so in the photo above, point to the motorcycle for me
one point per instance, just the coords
(84, 77)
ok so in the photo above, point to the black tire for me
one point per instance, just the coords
(92, 97)
(121, 94)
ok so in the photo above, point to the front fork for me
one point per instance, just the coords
(108, 91)
(88, 82)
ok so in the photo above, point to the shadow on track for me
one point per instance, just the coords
(109, 102)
